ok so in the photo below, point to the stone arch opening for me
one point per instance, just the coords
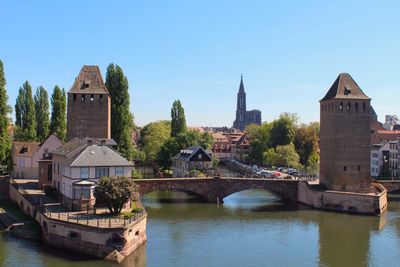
(175, 195)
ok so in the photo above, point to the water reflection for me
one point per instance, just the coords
(252, 228)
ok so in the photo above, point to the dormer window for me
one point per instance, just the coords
(85, 84)
(347, 91)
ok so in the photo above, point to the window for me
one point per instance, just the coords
(119, 171)
(356, 106)
(83, 98)
(91, 97)
(358, 168)
(363, 106)
(101, 97)
(341, 106)
(348, 106)
(85, 172)
(21, 162)
(74, 96)
(82, 193)
(100, 172)
(345, 168)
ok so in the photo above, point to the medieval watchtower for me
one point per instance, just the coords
(89, 106)
(345, 137)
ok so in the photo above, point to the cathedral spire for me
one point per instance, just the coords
(241, 86)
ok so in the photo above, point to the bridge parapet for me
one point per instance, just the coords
(215, 189)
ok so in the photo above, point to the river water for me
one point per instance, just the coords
(252, 228)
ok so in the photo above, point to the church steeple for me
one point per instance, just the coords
(241, 86)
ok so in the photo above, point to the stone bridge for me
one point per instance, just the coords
(390, 185)
(214, 190)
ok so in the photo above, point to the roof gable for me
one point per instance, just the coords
(89, 81)
(345, 87)
(96, 155)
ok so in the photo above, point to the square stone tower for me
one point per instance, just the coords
(345, 137)
(89, 106)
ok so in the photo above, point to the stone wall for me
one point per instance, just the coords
(92, 241)
(88, 118)
(342, 201)
(22, 202)
(4, 187)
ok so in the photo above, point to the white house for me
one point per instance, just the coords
(25, 156)
(79, 164)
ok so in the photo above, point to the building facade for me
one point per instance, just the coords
(89, 106)
(244, 117)
(345, 137)
(79, 164)
(189, 160)
(26, 156)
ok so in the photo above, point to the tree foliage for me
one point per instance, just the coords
(152, 138)
(168, 150)
(178, 120)
(41, 100)
(122, 123)
(58, 124)
(25, 114)
(283, 130)
(281, 156)
(5, 109)
(115, 192)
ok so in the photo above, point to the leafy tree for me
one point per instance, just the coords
(153, 136)
(306, 143)
(25, 114)
(42, 113)
(5, 109)
(122, 124)
(260, 141)
(58, 124)
(194, 138)
(282, 131)
(115, 192)
(169, 149)
(19, 107)
(282, 156)
(178, 120)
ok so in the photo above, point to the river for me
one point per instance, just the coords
(252, 228)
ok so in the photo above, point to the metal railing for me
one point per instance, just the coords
(92, 219)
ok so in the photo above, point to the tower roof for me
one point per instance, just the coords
(89, 81)
(345, 87)
(241, 86)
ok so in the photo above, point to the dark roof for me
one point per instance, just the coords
(188, 153)
(25, 149)
(345, 88)
(96, 155)
(89, 81)
(77, 145)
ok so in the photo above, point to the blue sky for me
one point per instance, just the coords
(289, 52)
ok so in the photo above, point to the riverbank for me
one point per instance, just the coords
(17, 223)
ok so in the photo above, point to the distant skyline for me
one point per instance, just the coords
(290, 52)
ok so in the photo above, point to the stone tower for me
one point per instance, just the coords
(89, 106)
(240, 121)
(345, 137)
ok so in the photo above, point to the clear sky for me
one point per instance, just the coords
(290, 52)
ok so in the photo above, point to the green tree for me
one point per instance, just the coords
(306, 143)
(178, 120)
(114, 192)
(58, 124)
(25, 114)
(19, 107)
(5, 109)
(42, 113)
(168, 150)
(283, 130)
(282, 156)
(260, 141)
(152, 138)
(122, 125)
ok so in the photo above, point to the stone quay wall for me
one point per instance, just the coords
(93, 241)
(371, 204)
